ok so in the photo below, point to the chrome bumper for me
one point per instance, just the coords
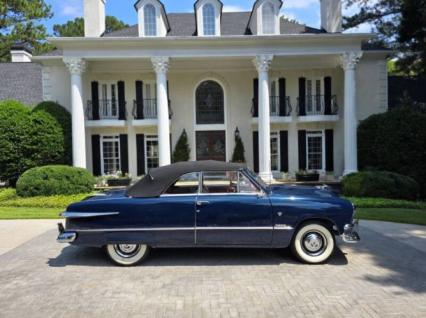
(350, 232)
(65, 237)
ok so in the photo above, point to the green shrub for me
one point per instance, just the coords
(7, 194)
(62, 118)
(57, 201)
(182, 150)
(380, 184)
(382, 203)
(395, 141)
(54, 180)
(27, 140)
(238, 155)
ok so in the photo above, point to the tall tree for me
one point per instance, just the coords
(20, 20)
(75, 28)
(401, 24)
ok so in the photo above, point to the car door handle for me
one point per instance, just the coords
(201, 203)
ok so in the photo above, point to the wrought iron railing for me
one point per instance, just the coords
(147, 109)
(108, 109)
(275, 105)
(317, 105)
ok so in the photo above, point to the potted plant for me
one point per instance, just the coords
(119, 179)
(307, 176)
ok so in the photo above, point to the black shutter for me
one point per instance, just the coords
(124, 153)
(95, 100)
(302, 96)
(329, 150)
(96, 155)
(139, 100)
(284, 150)
(121, 101)
(255, 151)
(256, 97)
(283, 98)
(140, 149)
(327, 95)
(302, 149)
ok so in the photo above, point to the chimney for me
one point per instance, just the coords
(21, 53)
(331, 15)
(94, 18)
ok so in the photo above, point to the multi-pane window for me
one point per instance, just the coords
(151, 156)
(209, 20)
(210, 103)
(275, 154)
(268, 19)
(110, 154)
(275, 101)
(313, 96)
(314, 145)
(150, 20)
(108, 105)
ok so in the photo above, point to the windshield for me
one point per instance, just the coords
(257, 178)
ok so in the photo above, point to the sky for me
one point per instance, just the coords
(304, 11)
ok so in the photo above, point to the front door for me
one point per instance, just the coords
(211, 145)
(230, 210)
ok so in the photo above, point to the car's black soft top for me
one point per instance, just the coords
(158, 180)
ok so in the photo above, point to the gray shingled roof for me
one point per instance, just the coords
(21, 81)
(233, 23)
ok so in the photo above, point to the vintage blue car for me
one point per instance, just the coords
(209, 204)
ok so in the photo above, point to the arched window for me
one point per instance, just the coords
(209, 20)
(150, 20)
(268, 19)
(210, 103)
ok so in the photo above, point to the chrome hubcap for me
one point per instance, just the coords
(314, 243)
(127, 250)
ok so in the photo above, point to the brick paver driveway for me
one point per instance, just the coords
(380, 277)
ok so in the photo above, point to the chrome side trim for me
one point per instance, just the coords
(66, 237)
(207, 228)
(74, 215)
(283, 227)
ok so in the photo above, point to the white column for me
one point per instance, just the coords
(161, 66)
(263, 63)
(349, 61)
(77, 66)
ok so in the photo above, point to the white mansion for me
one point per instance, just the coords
(295, 93)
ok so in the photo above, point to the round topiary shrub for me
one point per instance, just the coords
(380, 184)
(63, 119)
(54, 180)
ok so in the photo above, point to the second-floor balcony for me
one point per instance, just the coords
(104, 109)
(147, 109)
(279, 106)
(317, 105)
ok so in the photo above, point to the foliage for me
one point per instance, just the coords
(182, 150)
(386, 203)
(56, 201)
(20, 20)
(7, 194)
(75, 28)
(62, 118)
(395, 141)
(11, 213)
(238, 155)
(27, 140)
(400, 23)
(380, 184)
(408, 216)
(54, 180)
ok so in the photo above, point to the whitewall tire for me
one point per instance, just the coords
(127, 254)
(313, 243)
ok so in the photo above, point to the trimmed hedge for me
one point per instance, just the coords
(7, 194)
(54, 180)
(380, 184)
(63, 119)
(382, 203)
(28, 139)
(56, 201)
(395, 141)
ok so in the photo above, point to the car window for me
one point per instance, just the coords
(245, 185)
(186, 184)
(220, 182)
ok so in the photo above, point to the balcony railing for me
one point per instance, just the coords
(277, 109)
(108, 109)
(147, 109)
(314, 105)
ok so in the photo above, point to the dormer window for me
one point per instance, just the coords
(150, 20)
(209, 19)
(268, 18)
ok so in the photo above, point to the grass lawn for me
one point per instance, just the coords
(409, 216)
(11, 213)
